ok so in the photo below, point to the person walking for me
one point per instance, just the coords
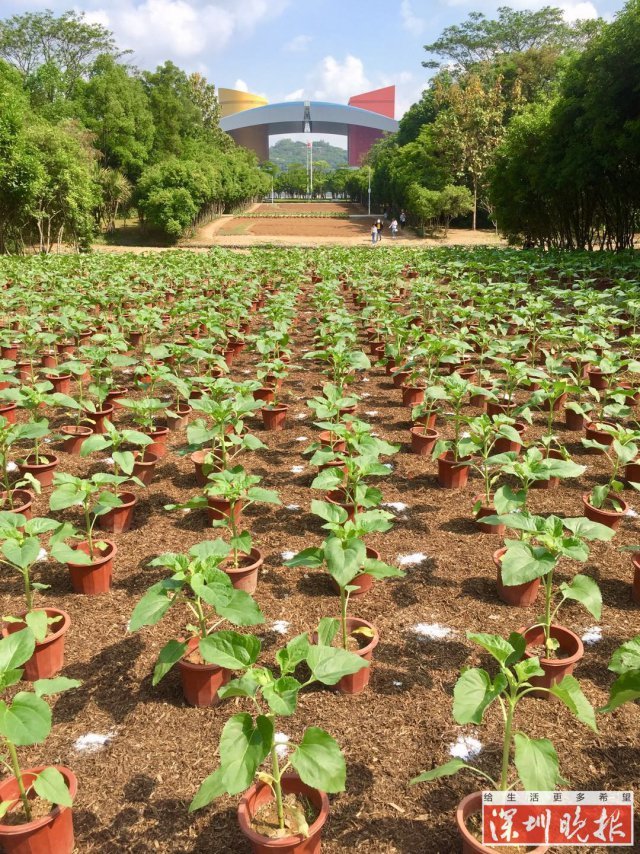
(403, 219)
(379, 226)
(374, 234)
(394, 228)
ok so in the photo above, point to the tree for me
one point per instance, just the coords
(115, 107)
(177, 118)
(203, 95)
(67, 42)
(470, 126)
(481, 40)
(116, 191)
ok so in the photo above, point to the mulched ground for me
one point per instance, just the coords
(294, 208)
(134, 793)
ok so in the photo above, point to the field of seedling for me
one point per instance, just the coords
(301, 545)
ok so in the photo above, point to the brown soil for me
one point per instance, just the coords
(265, 821)
(39, 809)
(293, 208)
(474, 826)
(542, 652)
(134, 793)
(304, 228)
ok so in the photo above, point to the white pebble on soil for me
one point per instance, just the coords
(412, 560)
(92, 741)
(11, 467)
(302, 439)
(301, 416)
(42, 555)
(398, 506)
(433, 631)
(288, 555)
(371, 413)
(465, 747)
(292, 506)
(592, 635)
(631, 512)
(280, 626)
(297, 469)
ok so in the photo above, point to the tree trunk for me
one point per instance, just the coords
(475, 202)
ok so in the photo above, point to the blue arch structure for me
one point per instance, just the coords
(252, 128)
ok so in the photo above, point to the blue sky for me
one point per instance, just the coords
(293, 49)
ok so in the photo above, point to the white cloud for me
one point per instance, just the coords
(410, 21)
(298, 44)
(578, 11)
(296, 95)
(338, 81)
(240, 85)
(182, 30)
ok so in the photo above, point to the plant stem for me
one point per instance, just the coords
(506, 747)
(343, 616)
(28, 593)
(277, 785)
(15, 765)
(548, 593)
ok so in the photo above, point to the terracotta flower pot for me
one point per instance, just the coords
(145, 466)
(467, 807)
(61, 382)
(202, 469)
(635, 586)
(427, 420)
(51, 834)
(632, 472)
(266, 393)
(260, 794)
(274, 417)
(246, 577)
(43, 472)
(487, 510)
(337, 496)
(495, 407)
(558, 404)
(423, 440)
(201, 682)
(364, 581)
(21, 499)
(75, 434)
(9, 352)
(574, 420)
(98, 418)
(412, 395)
(329, 440)
(97, 576)
(552, 482)
(180, 419)
(48, 657)
(399, 378)
(479, 400)
(519, 595)
(597, 379)
(220, 508)
(504, 445)
(594, 432)
(118, 520)
(610, 518)
(452, 474)
(115, 396)
(357, 682)
(555, 669)
(8, 411)
(159, 437)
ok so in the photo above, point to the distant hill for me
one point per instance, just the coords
(286, 151)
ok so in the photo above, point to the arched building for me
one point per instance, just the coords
(251, 120)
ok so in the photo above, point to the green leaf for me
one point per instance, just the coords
(625, 689)
(311, 557)
(125, 460)
(570, 692)
(230, 650)
(282, 695)
(588, 530)
(210, 789)
(16, 649)
(264, 496)
(241, 609)
(327, 630)
(293, 654)
(527, 668)
(45, 687)
(319, 761)
(473, 693)
(169, 655)
(328, 664)
(22, 556)
(522, 563)
(26, 720)
(243, 747)
(37, 621)
(584, 590)
(447, 770)
(50, 786)
(495, 645)
(626, 658)
(536, 762)
(506, 500)
(151, 608)
(245, 686)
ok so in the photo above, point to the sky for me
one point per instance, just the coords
(294, 49)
